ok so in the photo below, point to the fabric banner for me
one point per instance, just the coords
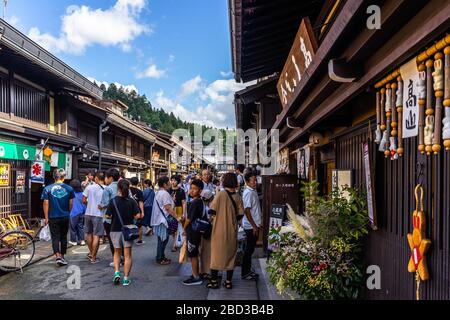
(37, 172)
(410, 76)
(68, 165)
(12, 151)
(57, 160)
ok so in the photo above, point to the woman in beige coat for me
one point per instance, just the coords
(227, 209)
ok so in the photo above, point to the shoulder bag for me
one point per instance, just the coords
(130, 232)
(202, 225)
(172, 223)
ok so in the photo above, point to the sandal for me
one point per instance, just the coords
(205, 276)
(165, 262)
(228, 284)
(213, 284)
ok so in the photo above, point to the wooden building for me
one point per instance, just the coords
(51, 113)
(344, 59)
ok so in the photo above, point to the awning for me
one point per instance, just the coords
(13, 151)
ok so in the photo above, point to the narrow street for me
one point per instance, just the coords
(45, 281)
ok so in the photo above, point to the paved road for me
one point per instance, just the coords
(44, 280)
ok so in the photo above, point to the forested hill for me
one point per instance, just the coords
(139, 106)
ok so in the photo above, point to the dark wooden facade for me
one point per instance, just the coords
(340, 112)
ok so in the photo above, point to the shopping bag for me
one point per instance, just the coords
(183, 252)
(179, 240)
(44, 235)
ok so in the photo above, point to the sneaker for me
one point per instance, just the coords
(83, 243)
(192, 281)
(126, 282)
(73, 243)
(59, 262)
(139, 242)
(63, 261)
(116, 279)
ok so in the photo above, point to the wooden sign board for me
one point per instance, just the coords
(5, 172)
(299, 59)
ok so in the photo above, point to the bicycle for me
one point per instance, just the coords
(17, 250)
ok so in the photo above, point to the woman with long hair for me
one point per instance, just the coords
(128, 210)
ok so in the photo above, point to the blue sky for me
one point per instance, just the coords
(176, 52)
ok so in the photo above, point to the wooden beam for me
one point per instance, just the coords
(427, 24)
(335, 34)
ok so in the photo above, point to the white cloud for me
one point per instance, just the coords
(218, 90)
(216, 110)
(126, 88)
(13, 20)
(171, 58)
(151, 72)
(83, 26)
(191, 86)
(226, 74)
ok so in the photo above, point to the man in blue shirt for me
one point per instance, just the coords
(58, 202)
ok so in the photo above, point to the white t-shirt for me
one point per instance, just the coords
(251, 200)
(93, 193)
(162, 198)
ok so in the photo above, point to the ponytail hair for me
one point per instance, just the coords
(124, 187)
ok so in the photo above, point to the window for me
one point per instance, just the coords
(108, 141)
(129, 146)
(120, 144)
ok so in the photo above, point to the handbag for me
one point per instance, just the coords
(130, 232)
(172, 223)
(202, 226)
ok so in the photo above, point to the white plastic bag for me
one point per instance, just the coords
(44, 235)
(179, 240)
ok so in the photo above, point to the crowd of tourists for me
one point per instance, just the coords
(200, 214)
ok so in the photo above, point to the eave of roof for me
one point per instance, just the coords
(24, 46)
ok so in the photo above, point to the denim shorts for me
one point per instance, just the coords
(93, 225)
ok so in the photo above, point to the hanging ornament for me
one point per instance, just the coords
(422, 88)
(418, 244)
(388, 108)
(446, 121)
(48, 154)
(394, 124)
(399, 105)
(429, 120)
(378, 132)
(384, 138)
(438, 85)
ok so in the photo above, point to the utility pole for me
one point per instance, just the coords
(5, 4)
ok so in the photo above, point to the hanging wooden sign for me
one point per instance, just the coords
(299, 59)
(410, 77)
